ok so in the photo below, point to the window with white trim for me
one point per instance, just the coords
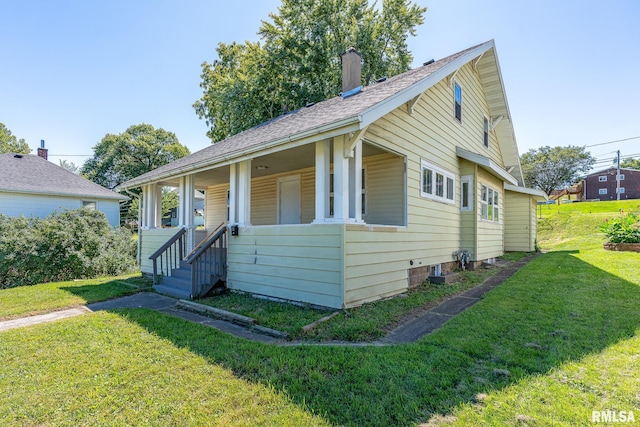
(466, 193)
(457, 102)
(602, 178)
(437, 183)
(621, 190)
(489, 201)
(621, 177)
(485, 132)
(602, 191)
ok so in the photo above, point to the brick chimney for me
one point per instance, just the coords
(351, 70)
(43, 152)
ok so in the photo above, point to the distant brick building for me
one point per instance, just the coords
(602, 184)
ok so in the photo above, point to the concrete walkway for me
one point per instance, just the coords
(421, 323)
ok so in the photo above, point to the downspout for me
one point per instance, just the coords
(139, 254)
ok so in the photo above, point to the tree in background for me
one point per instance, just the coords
(550, 168)
(630, 163)
(70, 166)
(10, 144)
(299, 59)
(138, 150)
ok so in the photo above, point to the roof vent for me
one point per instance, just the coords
(17, 156)
(429, 62)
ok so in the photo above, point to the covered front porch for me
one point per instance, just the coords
(282, 219)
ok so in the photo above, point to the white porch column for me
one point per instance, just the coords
(355, 183)
(340, 181)
(240, 193)
(158, 207)
(148, 206)
(233, 194)
(186, 209)
(244, 192)
(323, 176)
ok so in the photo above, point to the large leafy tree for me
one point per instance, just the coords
(9, 143)
(139, 149)
(630, 163)
(298, 60)
(551, 168)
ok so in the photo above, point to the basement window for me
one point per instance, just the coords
(457, 98)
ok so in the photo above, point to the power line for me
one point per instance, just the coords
(612, 142)
(70, 155)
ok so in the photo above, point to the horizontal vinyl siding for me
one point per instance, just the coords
(296, 262)
(216, 207)
(384, 189)
(150, 241)
(35, 205)
(377, 263)
(517, 233)
(490, 233)
(264, 197)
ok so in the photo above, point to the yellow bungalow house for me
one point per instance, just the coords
(354, 198)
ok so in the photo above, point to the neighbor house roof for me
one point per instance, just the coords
(35, 175)
(353, 113)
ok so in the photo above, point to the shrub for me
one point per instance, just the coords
(623, 229)
(72, 244)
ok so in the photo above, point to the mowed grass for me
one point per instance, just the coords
(104, 370)
(365, 323)
(555, 342)
(47, 297)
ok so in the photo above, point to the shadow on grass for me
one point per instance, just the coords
(108, 290)
(556, 309)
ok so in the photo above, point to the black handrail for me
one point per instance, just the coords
(171, 252)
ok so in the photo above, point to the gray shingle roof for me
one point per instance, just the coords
(35, 175)
(336, 111)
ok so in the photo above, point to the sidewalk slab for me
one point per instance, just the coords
(42, 318)
(416, 328)
(149, 300)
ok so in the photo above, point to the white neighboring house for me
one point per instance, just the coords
(33, 186)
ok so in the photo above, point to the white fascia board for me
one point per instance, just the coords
(538, 194)
(487, 164)
(385, 107)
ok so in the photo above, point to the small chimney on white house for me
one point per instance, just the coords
(351, 70)
(43, 152)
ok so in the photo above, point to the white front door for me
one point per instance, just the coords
(289, 200)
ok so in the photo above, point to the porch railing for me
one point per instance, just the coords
(169, 255)
(209, 262)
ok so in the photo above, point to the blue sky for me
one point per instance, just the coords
(73, 71)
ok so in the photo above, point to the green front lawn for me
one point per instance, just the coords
(547, 347)
(44, 298)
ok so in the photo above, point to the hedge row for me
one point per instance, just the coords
(73, 244)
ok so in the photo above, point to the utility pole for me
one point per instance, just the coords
(618, 178)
